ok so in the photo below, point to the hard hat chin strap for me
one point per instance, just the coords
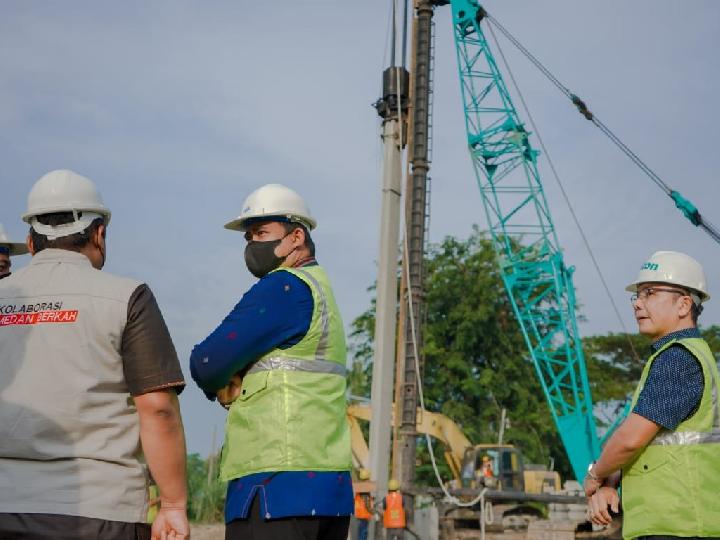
(82, 221)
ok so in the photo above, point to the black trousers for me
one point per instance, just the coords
(58, 527)
(292, 528)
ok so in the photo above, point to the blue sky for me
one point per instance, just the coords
(178, 109)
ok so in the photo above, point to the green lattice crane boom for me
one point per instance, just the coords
(537, 280)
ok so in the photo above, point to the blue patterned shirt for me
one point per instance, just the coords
(674, 386)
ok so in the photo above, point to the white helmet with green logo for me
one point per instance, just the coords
(673, 268)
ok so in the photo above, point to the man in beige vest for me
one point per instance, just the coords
(89, 380)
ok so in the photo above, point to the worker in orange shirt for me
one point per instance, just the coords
(394, 512)
(363, 507)
(487, 467)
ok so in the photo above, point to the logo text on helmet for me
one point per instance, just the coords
(649, 266)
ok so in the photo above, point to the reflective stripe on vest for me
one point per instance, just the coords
(687, 437)
(324, 316)
(291, 413)
(298, 364)
(670, 488)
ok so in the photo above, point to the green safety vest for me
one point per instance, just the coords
(291, 412)
(673, 486)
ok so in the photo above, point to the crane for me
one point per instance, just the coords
(538, 281)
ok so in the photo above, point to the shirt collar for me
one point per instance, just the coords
(686, 333)
(308, 261)
(52, 255)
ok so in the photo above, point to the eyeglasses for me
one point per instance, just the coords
(645, 293)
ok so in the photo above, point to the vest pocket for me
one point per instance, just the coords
(649, 461)
(252, 384)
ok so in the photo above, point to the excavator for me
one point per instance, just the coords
(491, 468)
(466, 461)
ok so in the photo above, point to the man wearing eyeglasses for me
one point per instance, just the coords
(667, 451)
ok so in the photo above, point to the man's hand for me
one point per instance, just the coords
(230, 393)
(598, 505)
(171, 523)
(592, 481)
(591, 485)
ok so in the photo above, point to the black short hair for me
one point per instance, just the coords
(291, 226)
(71, 242)
(695, 312)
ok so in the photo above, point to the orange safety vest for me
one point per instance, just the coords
(394, 515)
(361, 509)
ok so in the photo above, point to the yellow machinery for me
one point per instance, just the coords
(464, 459)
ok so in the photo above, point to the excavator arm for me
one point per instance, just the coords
(436, 425)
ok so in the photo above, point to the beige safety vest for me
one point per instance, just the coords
(69, 430)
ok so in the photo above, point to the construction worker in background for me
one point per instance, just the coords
(394, 512)
(487, 467)
(88, 383)
(364, 507)
(8, 249)
(668, 448)
(278, 362)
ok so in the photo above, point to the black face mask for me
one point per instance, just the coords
(260, 257)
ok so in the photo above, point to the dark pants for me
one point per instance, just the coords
(58, 527)
(395, 534)
(363, 529)
(292, 528)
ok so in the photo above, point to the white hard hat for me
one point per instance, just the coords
(674, 268)
(64, 191)
(16, 248)
(273, 200)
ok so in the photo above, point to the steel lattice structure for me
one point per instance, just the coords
(537, 280)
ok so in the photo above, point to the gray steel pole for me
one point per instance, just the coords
(386, 308)
(392, 108)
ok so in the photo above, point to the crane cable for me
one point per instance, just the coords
(556, 175)
(688, 209)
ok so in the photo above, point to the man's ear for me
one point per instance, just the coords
(686, 308)
(29, 244)
(301, 235)
(98, 236)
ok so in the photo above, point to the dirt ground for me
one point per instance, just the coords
(212, 531)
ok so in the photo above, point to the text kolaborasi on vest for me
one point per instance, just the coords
(6, 309)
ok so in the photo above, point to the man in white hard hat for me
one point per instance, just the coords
(88, 384)
(287, 443)
(8, 249)
(667, 451)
